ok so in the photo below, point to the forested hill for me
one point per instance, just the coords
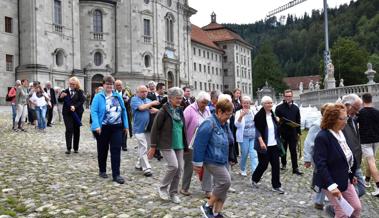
(299, 44)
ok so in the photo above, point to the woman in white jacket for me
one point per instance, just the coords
(246, 135)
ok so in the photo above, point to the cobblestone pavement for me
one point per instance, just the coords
(37, 179)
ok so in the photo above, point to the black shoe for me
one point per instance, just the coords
(103, 175)
(138, 168)
(207, 211)
(297, 172)
(278, 190)
(76, 152)
(49, 125)
(68, 152)
(125, 149)
(147, 173)
(283, 167)
(119, 180)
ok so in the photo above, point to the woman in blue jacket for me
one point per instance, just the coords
(109, 122)
(211, 150)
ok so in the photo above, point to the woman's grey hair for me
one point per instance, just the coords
(203, 96)
(18, 82)
(175, 92)
(350, 99)
(246, 98)
(215, 94)
(151, 83)
(222, 97)
(266, 99)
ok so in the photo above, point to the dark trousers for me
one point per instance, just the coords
(49, 114)
(72, 129)
(271, 156)
(110, 137)
(291, 142)
(124, 143)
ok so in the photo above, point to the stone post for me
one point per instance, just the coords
(370, 74)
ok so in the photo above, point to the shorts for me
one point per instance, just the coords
(369, 150)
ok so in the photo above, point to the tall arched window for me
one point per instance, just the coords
(59, 58)
(98, 58)
(170, 28)
(97, 21)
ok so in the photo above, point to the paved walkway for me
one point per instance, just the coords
(38, 180)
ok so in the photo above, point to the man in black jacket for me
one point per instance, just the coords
(290, 132)
(73, 99)
(126, 95)
(187, 98)
(50, 109)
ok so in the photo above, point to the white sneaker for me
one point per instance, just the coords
(243, 173)
(163, 194)
(231, 189)
(367, 184)
(375, 193)
(175, 199)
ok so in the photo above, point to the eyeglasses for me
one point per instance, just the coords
(343, 118)
(288, 96)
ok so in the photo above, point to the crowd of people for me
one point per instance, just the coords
(211, 132)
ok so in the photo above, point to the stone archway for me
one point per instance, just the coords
(97, 80)
(170, 79)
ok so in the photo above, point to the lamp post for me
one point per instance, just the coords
(327, 57)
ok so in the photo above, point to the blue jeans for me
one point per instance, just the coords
(360, 187)
(14, 112)
(41, 116)
(247, 147)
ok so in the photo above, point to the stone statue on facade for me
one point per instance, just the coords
(301, 88)
(317, 86)
(330, 81)
(341, 83)
(311, 86)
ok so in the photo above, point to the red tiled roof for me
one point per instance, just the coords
(218, 33)
(293, 82)
(200, 36)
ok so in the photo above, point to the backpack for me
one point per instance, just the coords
(8, 98)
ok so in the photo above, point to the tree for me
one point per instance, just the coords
(349, 61)
(266, 68)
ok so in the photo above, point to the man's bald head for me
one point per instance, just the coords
(118, 85)
(142, 91)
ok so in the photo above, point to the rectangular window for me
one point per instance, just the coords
(9, 62)
(225, 72)
(8, 25)
(213, 70)
(213, 86)
(199, 67)
(201, 85)
(209, 70)
(194, 66)
(216, 71)
(212, 56)
(218, 86)
(195, 85)
(208, 54)
(225, 59)
(199, 52)
(203, 53)
(146, 27)
(194, 51)
(205, 69)
(58, 12)
(237, 58)
(209, 86)
(226, 86)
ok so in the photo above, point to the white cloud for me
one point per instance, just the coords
(249, 11)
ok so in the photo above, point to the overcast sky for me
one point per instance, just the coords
(249, 11)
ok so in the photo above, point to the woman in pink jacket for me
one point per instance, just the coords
(194, 115)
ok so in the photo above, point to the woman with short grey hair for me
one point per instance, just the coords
(168, 135)
(194, 115)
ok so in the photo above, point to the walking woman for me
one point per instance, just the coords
(194, 115)
(40, 100)
(109, 123)
(335, 162)
(168, 135)
(72, 111)
(266, 144)
(211, 151)
(246, 135)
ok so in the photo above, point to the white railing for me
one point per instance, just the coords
(318, 98)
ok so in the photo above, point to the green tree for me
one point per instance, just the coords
(349, 61)
(266, 68)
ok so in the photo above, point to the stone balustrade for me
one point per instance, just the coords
(318, 98)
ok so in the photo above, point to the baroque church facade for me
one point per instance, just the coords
(133, 40)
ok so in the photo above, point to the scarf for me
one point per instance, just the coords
(174, 112)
